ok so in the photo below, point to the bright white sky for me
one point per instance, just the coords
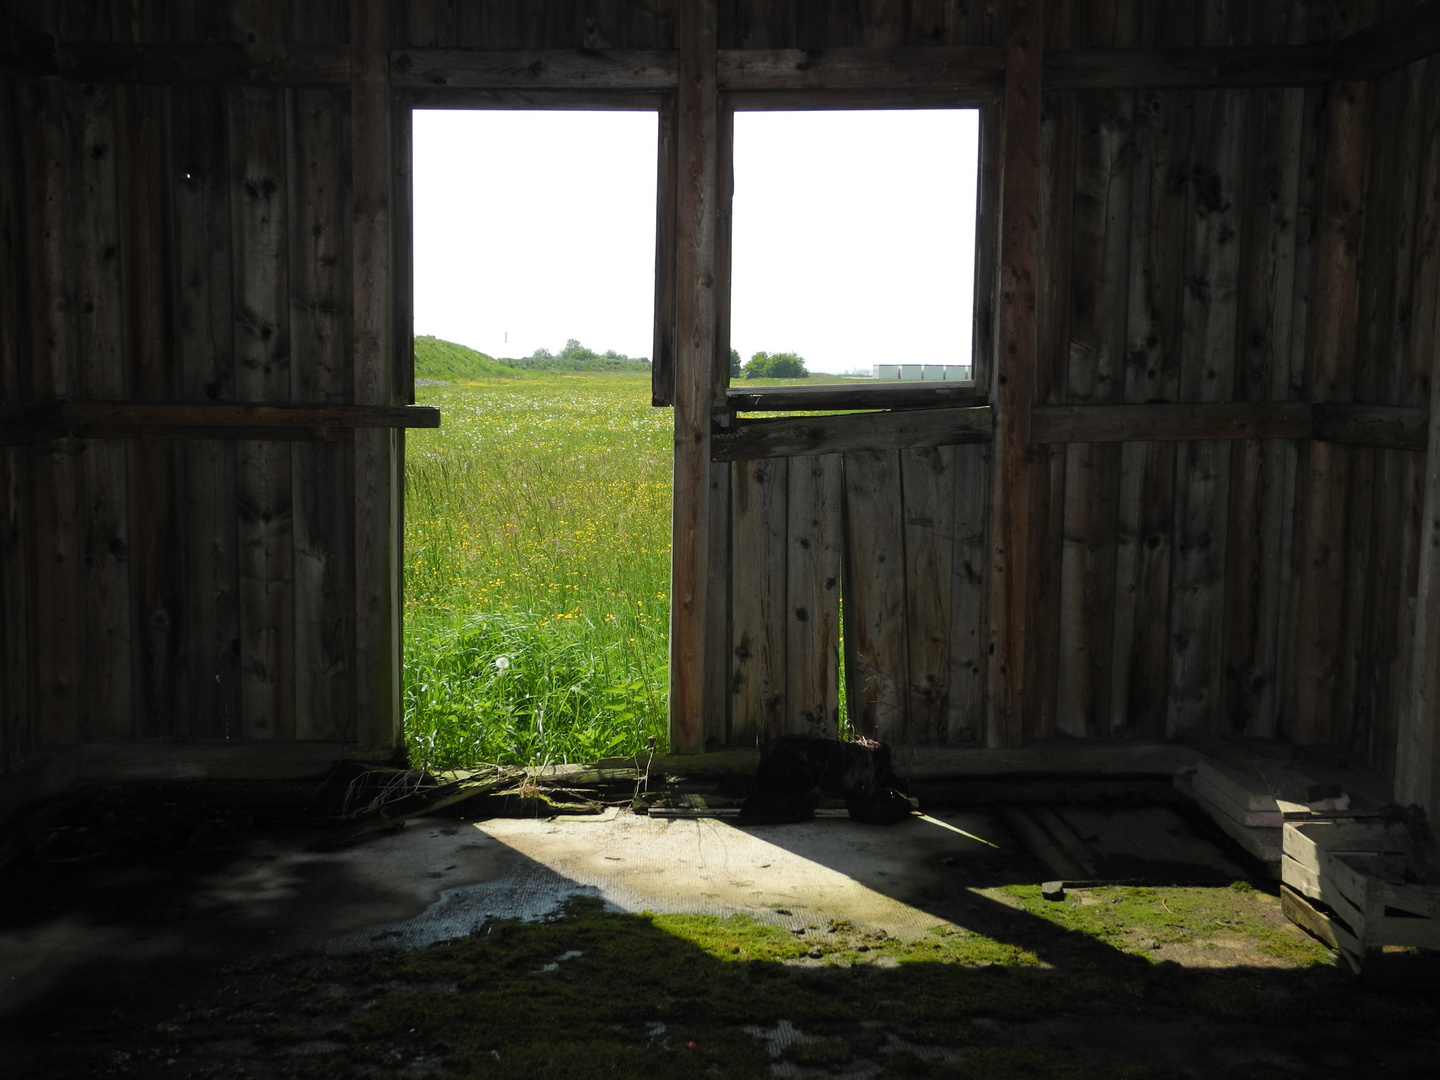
(853, 232)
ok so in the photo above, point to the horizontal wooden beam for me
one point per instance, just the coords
(1143, 69)
(25, 50)
(1165, 421)
(858, 395)
(39, 421)
(1389, 45)
(241, 65)
(560, 69)
(743, 71)
(271, 759)
(966, 68)
(29, 421)
(799, 436)
(1387, 427)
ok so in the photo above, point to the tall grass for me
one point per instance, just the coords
(537, 571)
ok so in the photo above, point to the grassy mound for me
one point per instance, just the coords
(437, 359)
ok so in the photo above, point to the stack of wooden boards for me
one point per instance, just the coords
(1359, 887)
(1251, 801)
(1357, 873)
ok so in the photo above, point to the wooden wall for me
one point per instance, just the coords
(1257, 586)
(180, 244)
(214, 242)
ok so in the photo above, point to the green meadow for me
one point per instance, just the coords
(537, 563)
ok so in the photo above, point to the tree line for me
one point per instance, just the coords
(763, 365)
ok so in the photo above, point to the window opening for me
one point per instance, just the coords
(537, 532)
(853, 246)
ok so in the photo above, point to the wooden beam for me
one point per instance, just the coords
(560, 69)
(697, 223)
(859, 395)
(1163, 421)
(25, 50)
(378, 453)
(966, 68)
(210, 65)
(30, 421)
(1325, 482)
(1015, 475)
(1388, 427)
(662, 353)
(1194, 68)
(1417, 750)
(1369, 53)
(798, 436)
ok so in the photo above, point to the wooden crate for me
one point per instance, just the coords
(1357, 870)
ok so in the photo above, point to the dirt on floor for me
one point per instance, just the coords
(1153, 977)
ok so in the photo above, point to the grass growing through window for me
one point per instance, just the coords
(537, 562)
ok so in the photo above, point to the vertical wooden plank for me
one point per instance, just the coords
(205, 345)
(1098, 300)
(93, 206)
(812, 586)
(662, 354)
(155, 521)
(876, 656)
(718, 655)
(934, 22)
(58, 557)
(725, 187)
(987, 236)
(262, 373)
(377, 569)
(16, 624)
(1260, 481)
(758, 599)
(1013, 383)
(1140, 657)
(1206, 374)
(969, 639)
(318, 191)
(697, 223)
(1417, 751)
(651, 24)
(927, 487)
(1325, 468)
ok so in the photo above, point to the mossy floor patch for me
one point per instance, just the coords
(1087, 987)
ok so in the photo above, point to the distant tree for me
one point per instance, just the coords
(735, 363)
(573, 350)
(764, 365)
(542, 353)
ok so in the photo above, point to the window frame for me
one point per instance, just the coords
(730, 400)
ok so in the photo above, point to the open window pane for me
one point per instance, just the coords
(853, 241)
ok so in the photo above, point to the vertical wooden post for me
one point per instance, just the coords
(1012, 384)
(697, 216)
(1320, 589)
(1417, 749)
(377, 451)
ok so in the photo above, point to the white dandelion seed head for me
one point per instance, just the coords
(502, 662)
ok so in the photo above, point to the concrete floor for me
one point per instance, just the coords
(440, 879)
(132, 926)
